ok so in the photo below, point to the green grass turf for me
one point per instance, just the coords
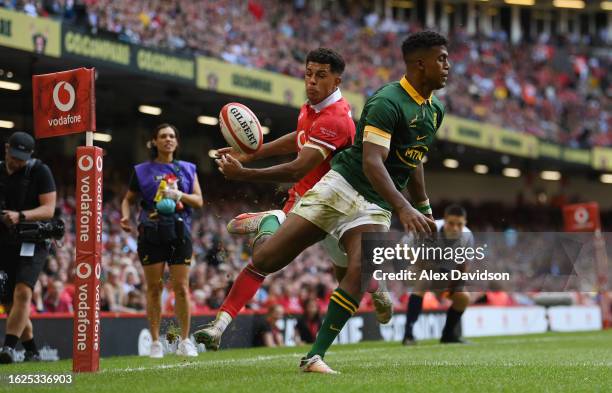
(553, 362)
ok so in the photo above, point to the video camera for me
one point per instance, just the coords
(37, 231)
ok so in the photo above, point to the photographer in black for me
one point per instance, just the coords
(27, 196)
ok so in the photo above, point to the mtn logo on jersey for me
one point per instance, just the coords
(413, 155)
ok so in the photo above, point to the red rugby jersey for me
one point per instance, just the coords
(328, 124)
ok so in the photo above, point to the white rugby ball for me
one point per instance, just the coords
(240, 128)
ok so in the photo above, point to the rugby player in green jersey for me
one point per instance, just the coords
(363, 188)
(397, 125)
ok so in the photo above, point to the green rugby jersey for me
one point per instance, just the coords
(396, 117)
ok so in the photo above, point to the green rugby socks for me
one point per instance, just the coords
(269, 224)
(341, 307)
(267, 227)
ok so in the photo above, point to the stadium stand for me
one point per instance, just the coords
(546, 88)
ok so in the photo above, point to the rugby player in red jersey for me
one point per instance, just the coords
(324, 127)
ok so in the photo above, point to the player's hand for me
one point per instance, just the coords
(125, 224)
(231, 168)
(414, 221)
(430, 216)
(236, 154)
(10, 217)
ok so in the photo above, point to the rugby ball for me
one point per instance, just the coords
(240, 128)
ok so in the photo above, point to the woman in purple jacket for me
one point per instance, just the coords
(169, 190)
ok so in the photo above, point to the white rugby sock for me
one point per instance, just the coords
(223, 320)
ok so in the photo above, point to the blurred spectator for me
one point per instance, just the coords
(290, 299)
(430, 301)
(266, 331)
(198, 305)
(56, 299)
(114, 293)
(215, 300)
(308, 324)
(135, 300)
(498, 298)
(131, 281)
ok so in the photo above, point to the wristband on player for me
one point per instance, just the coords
(424, 207)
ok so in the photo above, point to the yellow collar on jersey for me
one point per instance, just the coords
(413, 93)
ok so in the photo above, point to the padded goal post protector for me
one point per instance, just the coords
(64, 102)
(86, 325)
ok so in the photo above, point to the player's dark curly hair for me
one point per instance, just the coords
(422, 40)
(154, 132)
(327, 56)
(455, 210)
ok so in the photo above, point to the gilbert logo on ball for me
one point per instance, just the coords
(240, 128)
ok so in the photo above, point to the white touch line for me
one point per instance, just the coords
(213, 362)
(208, 362)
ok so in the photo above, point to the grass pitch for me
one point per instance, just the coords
(553, 362)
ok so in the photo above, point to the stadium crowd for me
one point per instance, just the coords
(219, 257)
(555, 87)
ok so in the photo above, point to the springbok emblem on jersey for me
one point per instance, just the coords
(413, 122)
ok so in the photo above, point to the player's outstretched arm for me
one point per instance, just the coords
(374, 157)
(278, 147)
(289, 172)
